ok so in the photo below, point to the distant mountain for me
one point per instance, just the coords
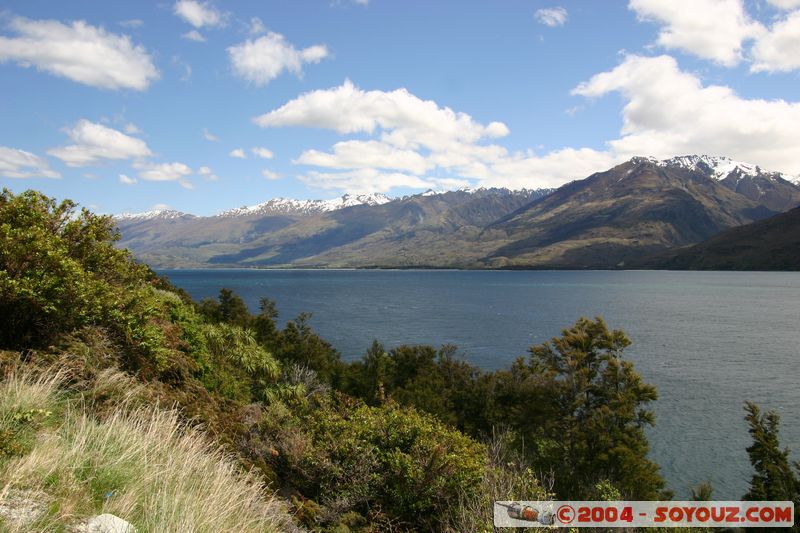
(364, 229)
(157, 214)
(770, 244)
(773, 190)
(287, 206)
(611, 217)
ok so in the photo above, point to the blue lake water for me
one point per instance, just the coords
(707, 340)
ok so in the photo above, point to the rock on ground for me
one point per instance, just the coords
(108, 523)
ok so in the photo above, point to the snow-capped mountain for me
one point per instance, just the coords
(156, 214)
(774, 190)
(723, 167)
(306, 207)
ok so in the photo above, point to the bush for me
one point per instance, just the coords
(352, 456)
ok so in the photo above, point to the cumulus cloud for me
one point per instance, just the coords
(365, 180)
(194, 35)
(261, 60)
(418, 144)
(15, 163)
(93, 143)
(367, 154)
(200, 14)
(263, 153)
(79, 52)
(165, 172)
(238, 153)
(126, 180)
(552, 16)
(405, 120)
(711, 29)
(779, 49)
(669, 111)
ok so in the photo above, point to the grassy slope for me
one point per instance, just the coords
(139, 463)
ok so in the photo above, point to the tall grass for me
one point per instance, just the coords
(140, 464)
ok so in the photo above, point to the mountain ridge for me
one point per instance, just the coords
(607, 220)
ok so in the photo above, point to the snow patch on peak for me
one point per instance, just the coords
(717, 167)
(164, 214)
(288, 206)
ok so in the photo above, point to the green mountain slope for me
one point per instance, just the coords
(771, 244)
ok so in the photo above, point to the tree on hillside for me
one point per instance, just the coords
(228, 308)
(58, 270)
(773, 478)
(582, 411)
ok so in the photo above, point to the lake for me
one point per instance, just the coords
(707, 340)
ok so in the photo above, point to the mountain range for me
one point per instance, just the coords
(610, 219)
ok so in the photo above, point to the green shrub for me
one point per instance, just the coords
(356, 457)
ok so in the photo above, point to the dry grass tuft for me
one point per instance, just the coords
(141, 464)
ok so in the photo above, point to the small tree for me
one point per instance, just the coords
(593, 430)
(773, 478)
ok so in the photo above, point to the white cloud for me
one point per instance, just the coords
(131, 129)
(207, 135)
(125, 180)
(785, 4)
(79, 52)
(553, 16)
(529, 170)
(256, 27)
(406, 121)
(165, 172)
(16, 163)
(261, 60)
(160, 207)
(670, 112)
(194, 35)
(367, 154)
(94, 142)
(200, 14)
(263, 153)
(711, 29)
(270, 175)
(364, 180)
(207, 173)
(361, 2)
(419, 144)
(238, 153)
(779, 49)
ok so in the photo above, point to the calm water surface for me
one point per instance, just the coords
(707, 340)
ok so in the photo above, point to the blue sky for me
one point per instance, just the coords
(205, 106)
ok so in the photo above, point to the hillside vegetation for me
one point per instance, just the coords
(120, 394)
(771, 244)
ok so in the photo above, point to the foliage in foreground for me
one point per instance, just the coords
(773, 477)
(139, 463)
(403, 440)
